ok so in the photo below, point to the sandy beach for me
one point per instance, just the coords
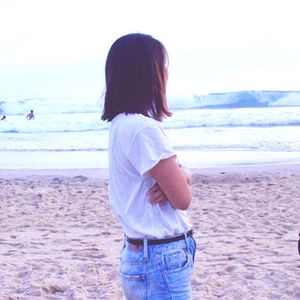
(59, 239)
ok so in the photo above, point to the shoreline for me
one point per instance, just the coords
(99, 159)
(102, 173)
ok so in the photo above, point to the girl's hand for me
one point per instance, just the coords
(156, 195)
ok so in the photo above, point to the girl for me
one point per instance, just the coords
(148, 190)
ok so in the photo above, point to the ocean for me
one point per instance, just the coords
(241, 128)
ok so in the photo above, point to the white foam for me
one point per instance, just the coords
(95, 159)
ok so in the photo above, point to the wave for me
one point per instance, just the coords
(52, 131)
(181, 135)
(79, 122)
(200, 124)
(240, 99)
(48, 105)
(54, 150)
(69, 105)
(241, 117)
(190, 118)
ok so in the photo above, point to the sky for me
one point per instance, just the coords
(59, 47)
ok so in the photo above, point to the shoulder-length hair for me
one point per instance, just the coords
(136, 75)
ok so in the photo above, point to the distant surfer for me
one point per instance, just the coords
(3, 118)
(30, 116)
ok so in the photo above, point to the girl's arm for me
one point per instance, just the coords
(174, 181)
(187, 174)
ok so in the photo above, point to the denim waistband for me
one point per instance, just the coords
(140, 242)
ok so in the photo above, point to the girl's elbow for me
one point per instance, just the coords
(184, 203)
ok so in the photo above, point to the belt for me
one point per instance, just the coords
(140, 242)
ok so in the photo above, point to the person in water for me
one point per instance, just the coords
(30, 116)
(3, 118)
(149, 190)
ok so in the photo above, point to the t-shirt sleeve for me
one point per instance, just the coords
(149, 146)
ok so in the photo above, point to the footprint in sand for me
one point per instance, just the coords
(230, 269)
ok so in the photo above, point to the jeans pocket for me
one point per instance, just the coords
(178, 273)
(175, 260)
(134, 286)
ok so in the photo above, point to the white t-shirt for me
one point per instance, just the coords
(136, 144)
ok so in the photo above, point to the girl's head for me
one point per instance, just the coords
(136, 75)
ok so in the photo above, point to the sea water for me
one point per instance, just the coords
(69, 133)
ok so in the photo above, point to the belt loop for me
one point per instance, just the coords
(145, 248)
(124, 240)
(187, 242)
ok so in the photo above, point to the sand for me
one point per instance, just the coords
(59, 240)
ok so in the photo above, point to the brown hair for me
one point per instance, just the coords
(135, 74)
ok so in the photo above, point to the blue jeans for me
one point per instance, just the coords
(158, 271)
